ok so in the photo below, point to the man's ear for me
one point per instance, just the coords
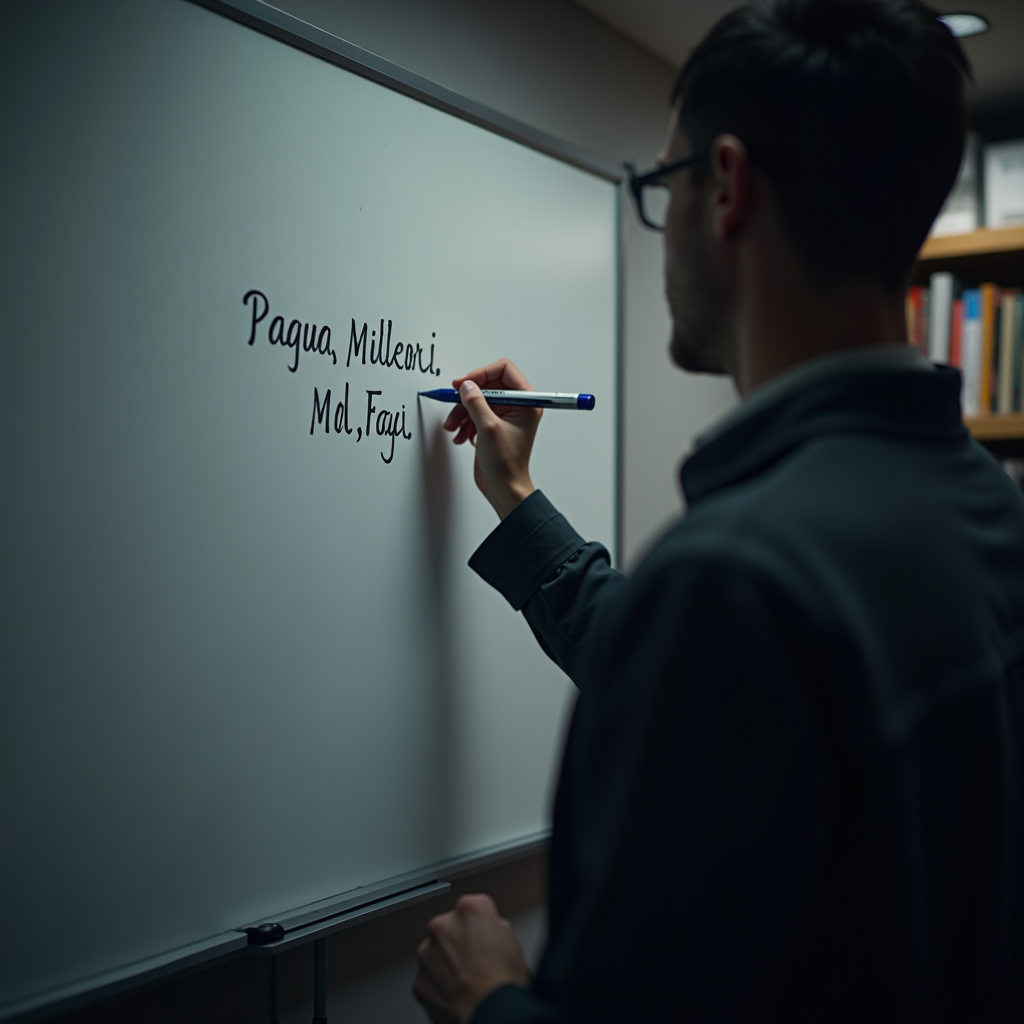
(733, 186)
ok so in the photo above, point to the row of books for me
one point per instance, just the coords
(978, 330)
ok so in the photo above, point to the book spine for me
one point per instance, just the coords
(956, 335)
(911, 314)
(1004, 399)
(1018, 348)
(986, 395)
(971, 352)
(940, 308)
(923, 320)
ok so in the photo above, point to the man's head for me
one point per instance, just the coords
(851, 114)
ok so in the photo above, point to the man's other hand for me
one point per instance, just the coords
(467, 953)
(503, 434)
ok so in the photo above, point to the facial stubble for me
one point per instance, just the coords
(697, 300)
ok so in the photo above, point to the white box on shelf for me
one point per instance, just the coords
(1004, 184)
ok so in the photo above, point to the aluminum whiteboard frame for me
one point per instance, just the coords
(286, 28)
(303, 36)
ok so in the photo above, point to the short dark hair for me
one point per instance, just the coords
(855, 112)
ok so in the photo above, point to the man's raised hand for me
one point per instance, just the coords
(502, 434)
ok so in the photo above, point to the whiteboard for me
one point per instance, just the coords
(244, 663)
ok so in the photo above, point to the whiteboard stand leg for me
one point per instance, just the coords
(320, 981)
(273, 990)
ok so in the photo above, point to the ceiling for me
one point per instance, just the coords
(670, 28)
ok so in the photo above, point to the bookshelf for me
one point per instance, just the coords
(985, 242)
(989, 254)
(1009, 427)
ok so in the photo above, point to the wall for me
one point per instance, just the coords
(555, 67)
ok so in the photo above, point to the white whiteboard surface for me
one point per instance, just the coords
(243, 667)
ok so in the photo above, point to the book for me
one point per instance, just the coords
(980, 331)
(1005, 375)
(913, 305)
(1004, 354)
(970, 333)
(1004, 184)
(923, 320)
(917, 318)
(956, 334)
(940, 310)
(989, 304)
(1018, 353)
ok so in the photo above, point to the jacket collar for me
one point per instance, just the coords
(894, 403)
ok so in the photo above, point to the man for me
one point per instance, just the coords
(793, 784)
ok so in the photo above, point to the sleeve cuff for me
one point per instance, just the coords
(511, 1004)
(526, 547)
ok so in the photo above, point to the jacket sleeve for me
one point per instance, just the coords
(511, 1004)
(544, 568)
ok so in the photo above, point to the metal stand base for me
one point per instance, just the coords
(273, 990)
(320, 981)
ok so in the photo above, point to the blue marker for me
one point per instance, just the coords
(533, 399)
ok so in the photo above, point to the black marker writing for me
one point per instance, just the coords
(298, 335)
(388, 426)
(356, 344)
(341, 415)
(387, 423)
(377, 345)
(256, 297)
(322, 413)
(370, 410)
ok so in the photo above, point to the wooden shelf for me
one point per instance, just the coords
(978, 243)
(1007, 427)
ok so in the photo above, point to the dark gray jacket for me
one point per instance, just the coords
(794, 783)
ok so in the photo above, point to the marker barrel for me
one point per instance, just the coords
(532, 399)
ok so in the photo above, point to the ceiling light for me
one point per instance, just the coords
(962, 25)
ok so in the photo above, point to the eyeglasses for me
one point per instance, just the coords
(650, 190)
